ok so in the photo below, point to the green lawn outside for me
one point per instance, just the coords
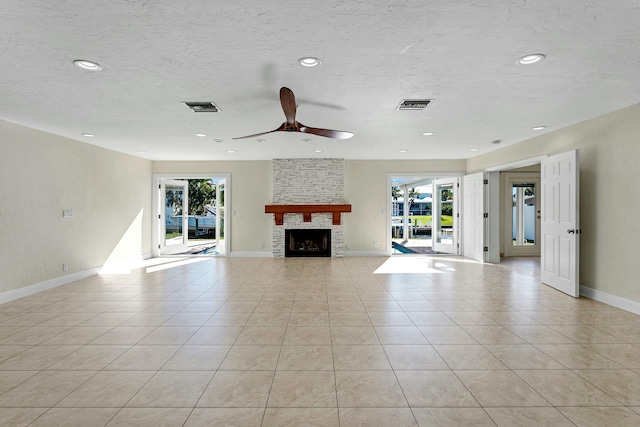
(424, 220)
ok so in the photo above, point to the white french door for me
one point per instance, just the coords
(560, 226)
(473, 221)
(173, 216)
(444, 226)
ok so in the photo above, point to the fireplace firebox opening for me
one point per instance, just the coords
(307, 243)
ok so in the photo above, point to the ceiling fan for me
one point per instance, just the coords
(288, 101)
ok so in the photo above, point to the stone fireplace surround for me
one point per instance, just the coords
(308, 182)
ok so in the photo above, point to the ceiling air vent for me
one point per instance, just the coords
(414, 104)
(203, 107)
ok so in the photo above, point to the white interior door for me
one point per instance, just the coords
(174, 216)
(560, 227)
(473, 216)
(444, 224)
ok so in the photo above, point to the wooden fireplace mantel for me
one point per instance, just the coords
(306, 211)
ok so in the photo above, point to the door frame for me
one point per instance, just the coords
(155, 223)
(493, 233)
(388, 210)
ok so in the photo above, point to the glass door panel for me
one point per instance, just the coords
(174, 196)
(445, 215)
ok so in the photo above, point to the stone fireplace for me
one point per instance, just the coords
(317, 182)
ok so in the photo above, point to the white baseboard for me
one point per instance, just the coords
(607, 298)
(364, 253)
(237, 254)
(46, 285)
(62, 280)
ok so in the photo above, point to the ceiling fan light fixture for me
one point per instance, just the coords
(87, 65)
(309, 61)
(530, 59)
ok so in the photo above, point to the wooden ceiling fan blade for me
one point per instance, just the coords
(280, 129)
(329, 133)
(288, 102)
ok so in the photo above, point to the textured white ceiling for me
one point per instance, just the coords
(375, 53)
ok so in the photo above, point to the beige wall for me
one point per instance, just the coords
(609, 151)
(41, 175)
(251, 190)
(366, 190)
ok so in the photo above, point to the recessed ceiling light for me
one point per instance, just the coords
(404, 151)
(497, 141)
(530, 59)
(539, 127)
(428, 133)
(306, 139)
(474, 149)
(317, 151)
(260, 140)
(201, 134)
(218, 140)
(141, 152)
(231, 151)
(87, 65)
(88, 135)
(309, 61)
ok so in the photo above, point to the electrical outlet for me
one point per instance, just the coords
(65, 267)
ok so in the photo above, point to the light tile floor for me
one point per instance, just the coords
(401, 341)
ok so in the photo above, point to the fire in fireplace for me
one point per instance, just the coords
(307, 243)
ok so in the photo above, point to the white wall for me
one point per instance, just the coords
(41, 175)
(251, 190)
(366, 189)
(609, 150)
